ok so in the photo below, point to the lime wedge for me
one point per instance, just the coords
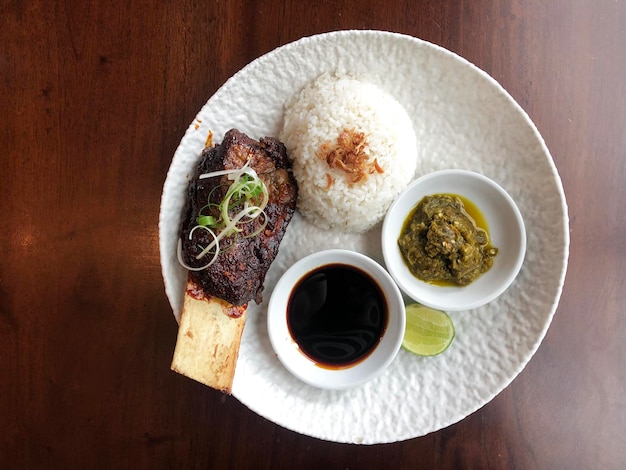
(428, 332)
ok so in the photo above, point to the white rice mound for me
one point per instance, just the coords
(318, 114)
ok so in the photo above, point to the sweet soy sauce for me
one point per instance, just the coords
(337, 315)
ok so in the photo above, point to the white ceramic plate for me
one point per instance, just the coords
(462, 119)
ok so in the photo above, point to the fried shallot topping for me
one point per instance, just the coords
(348, 155)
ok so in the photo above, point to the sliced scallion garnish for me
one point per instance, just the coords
(244, 202)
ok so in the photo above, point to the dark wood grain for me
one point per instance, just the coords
(94, 98)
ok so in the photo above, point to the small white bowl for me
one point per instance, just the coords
(505, 227)
(313, 372)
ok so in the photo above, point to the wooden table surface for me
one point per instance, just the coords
(94, 99)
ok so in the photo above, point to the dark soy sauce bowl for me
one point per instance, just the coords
(336, 319)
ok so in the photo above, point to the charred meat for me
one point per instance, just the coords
(238, 272)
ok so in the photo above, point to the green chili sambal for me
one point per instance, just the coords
(441, 242)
